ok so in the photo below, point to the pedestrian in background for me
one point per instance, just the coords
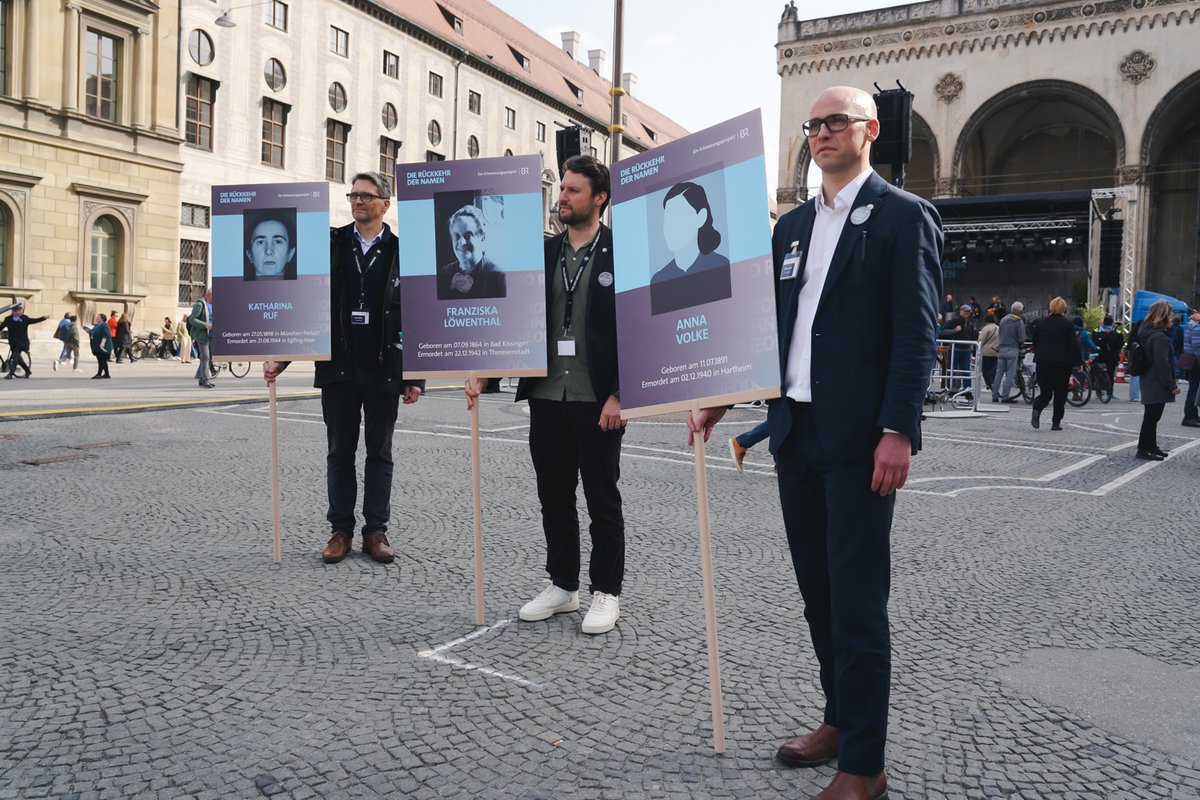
(184, 342)
(1055, 351)
(199, 325)
(167, 347)
(1158, 380)
(124, 338)
(18, 339)
(102, 346)
(989, 352)
(62, 333)
(1189, 362)
(1011, 336)
(72, 343)
(1111, 342)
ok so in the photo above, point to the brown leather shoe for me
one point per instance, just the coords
(811, 749)
(376, 546)
(338, 547)
(855, 787)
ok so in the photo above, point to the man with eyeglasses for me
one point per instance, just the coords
(362, 381)
(848, 423)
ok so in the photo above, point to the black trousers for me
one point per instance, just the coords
(102, 363)
(1052, 384)
(566, 444)
(839, 535)
(345, 406)
(17, 359)
(1148, 436)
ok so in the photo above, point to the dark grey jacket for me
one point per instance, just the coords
(1158, 383)
(1012, 332)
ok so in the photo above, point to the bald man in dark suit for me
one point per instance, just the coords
(858, 277)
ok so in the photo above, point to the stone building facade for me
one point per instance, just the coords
(353, 85)
(89, 167)
(1027, 111)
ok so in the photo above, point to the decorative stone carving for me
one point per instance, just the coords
(948, 87)
(1131, 174)
(1137, 66)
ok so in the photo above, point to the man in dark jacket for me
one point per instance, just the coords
(575, 425)
(18, 339)
(362, 381)
(961, 329)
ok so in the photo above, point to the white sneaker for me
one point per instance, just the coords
(603, 615)
(551, 601)
(77, 369)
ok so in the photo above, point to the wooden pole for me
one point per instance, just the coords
(476, 497)
(710, 602)
(276, 514)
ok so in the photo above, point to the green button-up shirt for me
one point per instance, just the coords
(567, 376)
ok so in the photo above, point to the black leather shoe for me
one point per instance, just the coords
(1037, 418)
(1191, 423)
(1146, 455)
(1056, 427)
(1158, 451)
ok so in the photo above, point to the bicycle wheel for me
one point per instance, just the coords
(239, 369)
(1101, 385)
(1027, 383)
(1080, 390)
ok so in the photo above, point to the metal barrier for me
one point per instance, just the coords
(957, 376)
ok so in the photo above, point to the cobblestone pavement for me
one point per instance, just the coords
(150, 649)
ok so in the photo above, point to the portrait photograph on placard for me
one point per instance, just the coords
(270, 267)
(472, 271)
(695, 288)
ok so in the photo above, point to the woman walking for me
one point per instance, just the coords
(989, 354)
(125, 339)
(1158, 380)
(102, 346)
(1055, 351)
(167, 348)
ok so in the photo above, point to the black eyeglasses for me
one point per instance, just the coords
(834, 122)
(362, 197)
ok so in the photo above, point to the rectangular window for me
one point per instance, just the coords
(510, 119)
(454, 22)
(435, 84)
(274, 122)
(194, 216)
(276, 14)
(389, 152)
(103, 55)
(336, 134)
(521, 58)
(198, 126)
(474, 102)
(432, 156)
(391, 64)
(339, 41)
(193, 271)
(541, 131)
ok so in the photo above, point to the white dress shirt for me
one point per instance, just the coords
(827, 229)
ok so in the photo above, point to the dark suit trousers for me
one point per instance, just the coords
(1053, 381)
(838, 531)
(566, 444)
(344, 406)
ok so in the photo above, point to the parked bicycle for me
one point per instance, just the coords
(1087, 379)
(146, 345)
(1026, 378)
(238, 369)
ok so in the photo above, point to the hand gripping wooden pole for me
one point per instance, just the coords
(710, 602)
(476, 498)
(275, 510)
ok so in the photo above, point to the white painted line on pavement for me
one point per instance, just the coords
(454, 661)
(1117, 483)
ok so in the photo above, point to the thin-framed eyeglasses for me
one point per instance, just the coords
(362, 197)
(834, 122)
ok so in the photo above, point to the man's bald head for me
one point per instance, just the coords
(854, 100)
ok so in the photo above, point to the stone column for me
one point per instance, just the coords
(137, 83)
(29, 62)
(70, 100)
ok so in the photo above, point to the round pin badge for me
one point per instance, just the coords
(859, 215)
(605, 279)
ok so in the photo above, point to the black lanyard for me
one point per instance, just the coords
(569, 284)
(362, 273)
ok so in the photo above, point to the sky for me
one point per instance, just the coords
(700, 62)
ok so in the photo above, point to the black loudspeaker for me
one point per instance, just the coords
(572, 142)
(1112, 236)
(894, 145)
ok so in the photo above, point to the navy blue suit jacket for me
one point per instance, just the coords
(873, 341)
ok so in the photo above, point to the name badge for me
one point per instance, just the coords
(566, 347)
(360, 317)
(791, 265)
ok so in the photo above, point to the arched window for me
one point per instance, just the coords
(472, 147)
(104, 254)
(337, 97)
(390, 117)
(5, 246)
(275, 75)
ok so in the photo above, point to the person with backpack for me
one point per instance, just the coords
(1155, 358)
(1110, 343)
